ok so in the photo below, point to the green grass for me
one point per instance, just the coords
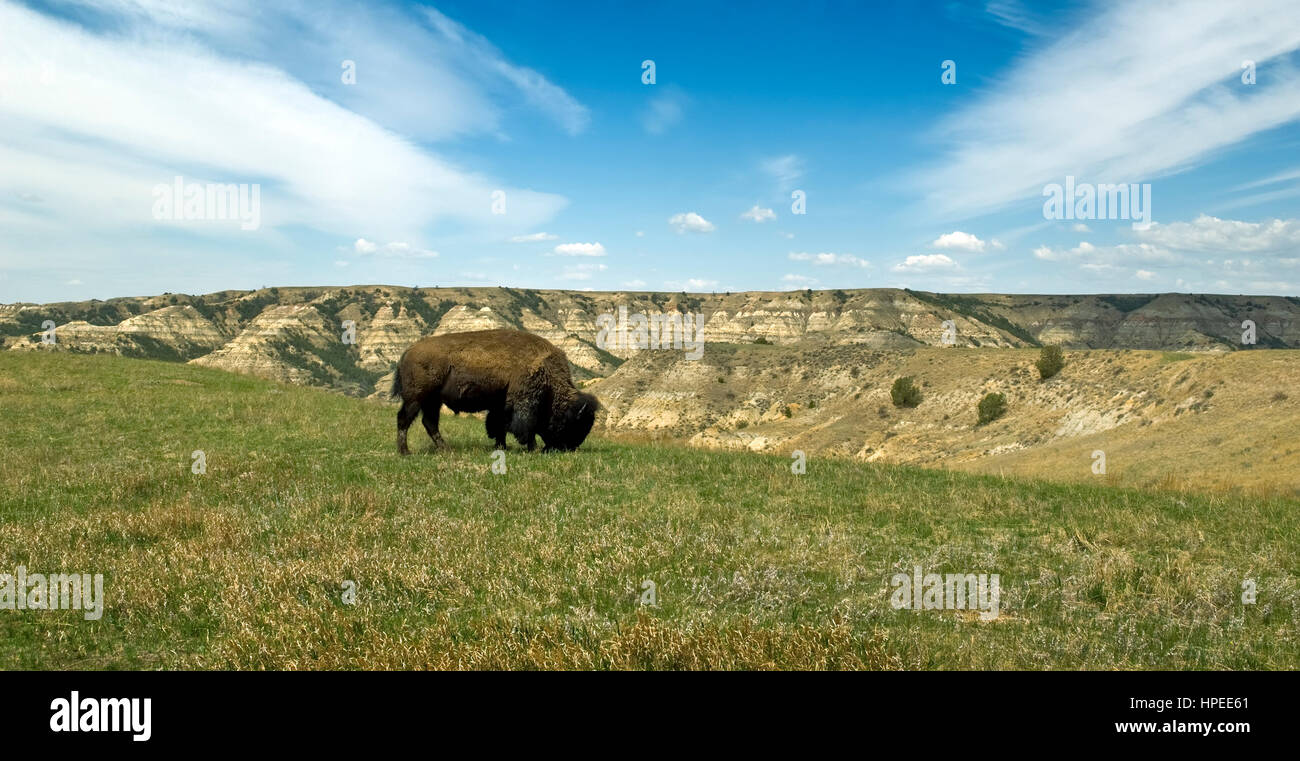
(542, 567)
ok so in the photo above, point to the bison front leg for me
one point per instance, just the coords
(496, 426)
(405, 416)
(528, 403)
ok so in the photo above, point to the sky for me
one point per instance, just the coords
(777, 146)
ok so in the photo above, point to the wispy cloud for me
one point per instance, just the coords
(786, 170)
(394, 250)
(1149, 90)
(583, 271)
(1014, 15)
(533, 238)
(664, 110)
(194, 104)
(690, 284)
(828, 258)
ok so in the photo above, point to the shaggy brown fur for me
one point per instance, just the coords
(521, 379)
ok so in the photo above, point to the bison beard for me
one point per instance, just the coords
(520, 379)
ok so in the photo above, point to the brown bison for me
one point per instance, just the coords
(520, 379)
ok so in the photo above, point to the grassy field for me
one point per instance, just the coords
(542, 567)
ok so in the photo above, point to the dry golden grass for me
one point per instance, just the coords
(542, 567)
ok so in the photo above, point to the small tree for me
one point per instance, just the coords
(905, 393)
(992, 407)
(1050, 361)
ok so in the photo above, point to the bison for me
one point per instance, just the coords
(520, 379)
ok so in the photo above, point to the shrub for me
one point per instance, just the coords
(992, 407)
(1050, 361)
(905, 393)
(762, 340)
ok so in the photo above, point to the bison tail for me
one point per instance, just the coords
(396, 391)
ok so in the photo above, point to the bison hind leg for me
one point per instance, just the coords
(432, 408)
(406, 415)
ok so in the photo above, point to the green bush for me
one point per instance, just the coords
(905, 393)
(1050, 361)
(992, 407)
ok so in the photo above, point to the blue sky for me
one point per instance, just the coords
(610, 183)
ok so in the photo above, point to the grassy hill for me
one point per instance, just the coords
(542, 567)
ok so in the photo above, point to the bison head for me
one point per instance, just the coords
(570, 424)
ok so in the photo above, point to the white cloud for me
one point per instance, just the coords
(533, 238)
(1080, 227)
(1163, 93)
(1250, 250)
(798, 279)
(925, 263)
(580, 249)
(759, 214)
(829, 258)
(394, 250)
(690, 222)
(1226, 236)
(961, 241)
